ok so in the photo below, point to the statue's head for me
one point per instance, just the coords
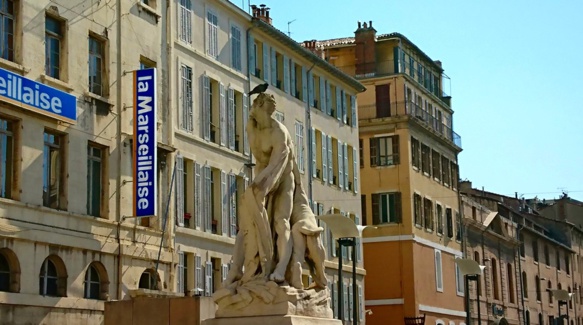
(264, 102)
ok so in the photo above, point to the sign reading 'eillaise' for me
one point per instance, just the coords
(37, 97)
(145, 143)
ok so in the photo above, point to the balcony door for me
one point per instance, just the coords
(383, 100)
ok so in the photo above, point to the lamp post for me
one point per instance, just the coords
(346, 232)
(470, 270)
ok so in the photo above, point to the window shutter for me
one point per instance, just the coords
(286, 85)
(344, 110)
(180, 273)
(373, 151)
(350, 298)
(274, 76)
(353, 110)
(332, 244)
(266, 62)
(224, 272)
(323, 103)
(198, 194)
(231, 126)
(223, 114)
(376, 217)
(398, 208)
(355, 168)
(233, 204)
(224, 205)
(292, 83)
(304, 85)
(207, 204)
(346, 168)
(313, 150)
(208, 281)
(199, 276)
(340, 164)
(338, 104)
(360, 303)
(324, 171)
(245, 120)
(334, 300)
(179, 181)
(345, 297)
(206, 108)
(395, 145)
(358, 246)
(251, 54)
(330, 162)
(311, 88)
(328, 98)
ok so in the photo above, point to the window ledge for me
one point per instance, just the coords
(149, 10)
(14, 66)
(89, 96)
(56, 82)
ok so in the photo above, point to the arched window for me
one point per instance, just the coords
(96, 282)
(540, 319)
(527, 317)
(537, 285)
(53, 277)
(149, 280)
(9, 271)
(549, 288)
(495, 279)
(510, 282)
(524, 285)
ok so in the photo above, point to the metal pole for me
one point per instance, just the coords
(164, 221)
(340, 301)
(467, 290)
(478, 299)
(354, 291)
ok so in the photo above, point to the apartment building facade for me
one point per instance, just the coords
(408, 163)
(527, 256)
(77, 233)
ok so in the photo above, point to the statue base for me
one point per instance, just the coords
(260, 298)
(272, 320)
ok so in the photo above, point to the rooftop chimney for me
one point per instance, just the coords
(261, 13)
(365, 56)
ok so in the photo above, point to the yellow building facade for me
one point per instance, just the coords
(409, 175)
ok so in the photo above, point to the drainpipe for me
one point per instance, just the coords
(118, 147)
(309, 129)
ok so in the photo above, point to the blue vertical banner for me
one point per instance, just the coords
(145, 143)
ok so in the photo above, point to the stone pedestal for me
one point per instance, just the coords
(272, 320)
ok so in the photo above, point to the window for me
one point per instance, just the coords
(186, 102)
(53, 175)
(454, 175)
(53, 278)
(361, 153)
(547, 257)
(54, 40)
(449, 220)
(212, 43)
(386, 208)
(185, 18)
(95, 179)
(474, 214)
(4, 274)
(149, 280)
(7, 157)
(550, 293)
(9, 271)
(97, 81)
(236, 48)
(509, 275)
(300, 145)
(92, 283)
(567, 268)
(459, 281)
(428, 213)
(181, 273)
(439, 212)
(535, 250)
(7, 27)
(495, 279)
(425, 159)
(458, 226)
(445, 172)
(384, 151)
(438, 272)
(524, 285)
(479, 282)
(198, 276)
(417, 209)
(415, 154)
(558, 260)
(537, 285)
(435, 162)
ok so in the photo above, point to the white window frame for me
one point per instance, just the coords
(459, 281)
(185, 21)
(186, 102)
(212, 34)
(236, 50)
(299, 127)
(438, 259)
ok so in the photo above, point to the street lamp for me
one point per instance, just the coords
(346, 232)
(563, 297)
(470, 270)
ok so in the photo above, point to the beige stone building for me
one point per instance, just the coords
(68, 237)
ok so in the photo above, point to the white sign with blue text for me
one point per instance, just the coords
(145, 143)
(37, 97)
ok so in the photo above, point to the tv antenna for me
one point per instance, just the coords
(289, 23)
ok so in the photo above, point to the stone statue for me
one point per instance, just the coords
(278, 231)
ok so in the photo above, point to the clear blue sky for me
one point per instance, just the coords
(516, 70)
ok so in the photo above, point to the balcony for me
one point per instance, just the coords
(410, 109)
